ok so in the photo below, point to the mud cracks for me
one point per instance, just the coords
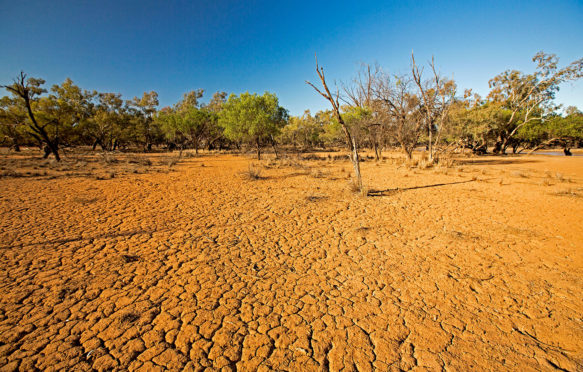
(200, 268)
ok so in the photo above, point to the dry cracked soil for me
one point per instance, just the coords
(151, 265)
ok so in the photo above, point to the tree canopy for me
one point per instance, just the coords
(253, 119)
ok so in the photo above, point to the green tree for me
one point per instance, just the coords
(253, 119)
(528, 97)
(214, 131)
(142, 111)
(53, 118)
(12, 123)
(27, 93)
(109, 122)
(554, 129)
(303, 131)
(188, 121)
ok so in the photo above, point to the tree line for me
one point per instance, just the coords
(376, 110)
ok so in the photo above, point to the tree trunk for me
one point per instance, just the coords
(356, 164)
(408, 152)
(430, 144)
(336, 108)
(54, 148)
(258, 150)
(274, 147)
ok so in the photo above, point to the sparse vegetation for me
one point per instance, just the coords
(253, 172)
(398, 225)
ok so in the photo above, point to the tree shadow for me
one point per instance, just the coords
(90, 239)
(389, 192)
(494, 161)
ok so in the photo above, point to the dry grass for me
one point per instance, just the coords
(446, 162)
(253, 172)
(547, 182)
(135, 159)
(171, 162)
(519, 174)
(561, 178)
(575, 193)
(318, 173)
(425, 164)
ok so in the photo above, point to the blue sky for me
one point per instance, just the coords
(175, 46)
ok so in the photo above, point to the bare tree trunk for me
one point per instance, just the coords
(356, 164)
(430, 143)
(351, 142)
(258, 150)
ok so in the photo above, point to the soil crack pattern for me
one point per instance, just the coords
(199, 268)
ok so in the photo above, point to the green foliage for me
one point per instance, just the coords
(528, 97)
(142, 110)
(332, 130)
(12, 124)
(252, 119)
(109, 123)
(567, 128)
(383, 109)
(188, 122)
(303, 131)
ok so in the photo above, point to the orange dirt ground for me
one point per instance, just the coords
(116, 263)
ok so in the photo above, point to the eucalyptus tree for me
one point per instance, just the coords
(565, 130)
(142, 111)
(109, 123)
(253, 119)
(52, 119)
(188, 122)
(528, 97)
(12, 124)
(27, 93)
(214, 132)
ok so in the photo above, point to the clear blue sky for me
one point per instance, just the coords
(175, 46)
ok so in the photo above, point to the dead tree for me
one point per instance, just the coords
(403, 110)
(437, 95)
(354, 158)
(360, 93)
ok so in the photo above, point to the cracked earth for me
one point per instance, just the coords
(477, 267)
